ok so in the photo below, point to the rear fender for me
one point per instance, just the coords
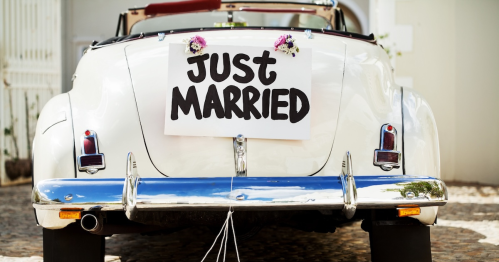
(421, 149)
(53, 149)
(54, 141)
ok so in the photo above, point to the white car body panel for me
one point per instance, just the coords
(53, 143)
(102, 100)
(370, 99)
(182, 156)
(103, 95)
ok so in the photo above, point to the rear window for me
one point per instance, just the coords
(219, 19)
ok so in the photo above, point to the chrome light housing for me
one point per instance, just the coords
(90, 160)
(387, 157)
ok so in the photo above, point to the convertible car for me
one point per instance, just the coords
(273, 110)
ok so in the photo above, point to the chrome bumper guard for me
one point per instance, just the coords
(135, 194)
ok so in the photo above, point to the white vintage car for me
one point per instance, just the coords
(270, 109)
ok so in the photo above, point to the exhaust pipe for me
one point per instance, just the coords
(91, 223)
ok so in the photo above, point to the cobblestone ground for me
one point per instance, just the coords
(468, 230)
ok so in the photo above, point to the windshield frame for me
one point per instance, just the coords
(323, 9)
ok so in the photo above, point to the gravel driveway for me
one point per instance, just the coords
(467, 230)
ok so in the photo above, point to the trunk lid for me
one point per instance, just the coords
(204, 156)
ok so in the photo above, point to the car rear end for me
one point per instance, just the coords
(310, 140)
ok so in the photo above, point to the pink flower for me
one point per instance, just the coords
(199, 40)
(281, 40)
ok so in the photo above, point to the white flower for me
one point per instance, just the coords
(196, 46)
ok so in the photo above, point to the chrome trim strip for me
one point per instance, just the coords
(240, 149)
(298, 193)
(349, 188)
(129, 197)
(403, 128)
(60, 118)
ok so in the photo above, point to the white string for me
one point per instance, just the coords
(225, 229)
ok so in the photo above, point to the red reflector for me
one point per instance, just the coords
(95, 160)
(388, 157)
(390, 128)
(388, 141)
(89, 145)
(87, 133)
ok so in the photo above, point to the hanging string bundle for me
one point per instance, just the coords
(225, 230)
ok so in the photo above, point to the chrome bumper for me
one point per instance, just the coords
(135, 194)
(255, 193)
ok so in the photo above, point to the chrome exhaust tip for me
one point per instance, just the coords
(91, 223)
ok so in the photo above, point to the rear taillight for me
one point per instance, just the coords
(387, 157)
(90, 160)
(89, 145)
(389, 139)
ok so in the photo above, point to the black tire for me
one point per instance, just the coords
(72, 243)
(397, 240)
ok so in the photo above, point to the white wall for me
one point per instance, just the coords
(30, 74)
(477, 90)
(88, 20)
(451, 58)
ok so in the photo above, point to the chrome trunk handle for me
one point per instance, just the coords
(240, 155)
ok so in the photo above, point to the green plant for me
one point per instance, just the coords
(422, 187)
(387, 48)
(10, 131)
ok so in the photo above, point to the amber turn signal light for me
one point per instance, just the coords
(405, 212)
(69, 214)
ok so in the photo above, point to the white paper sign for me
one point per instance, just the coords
(231, 90)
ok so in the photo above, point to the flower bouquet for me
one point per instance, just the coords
(286, 44)
(195, 45)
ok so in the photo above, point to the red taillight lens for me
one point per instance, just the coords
(87, 133)
(388, 141)
(388, 157)
(91, 160)
(89, 145)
